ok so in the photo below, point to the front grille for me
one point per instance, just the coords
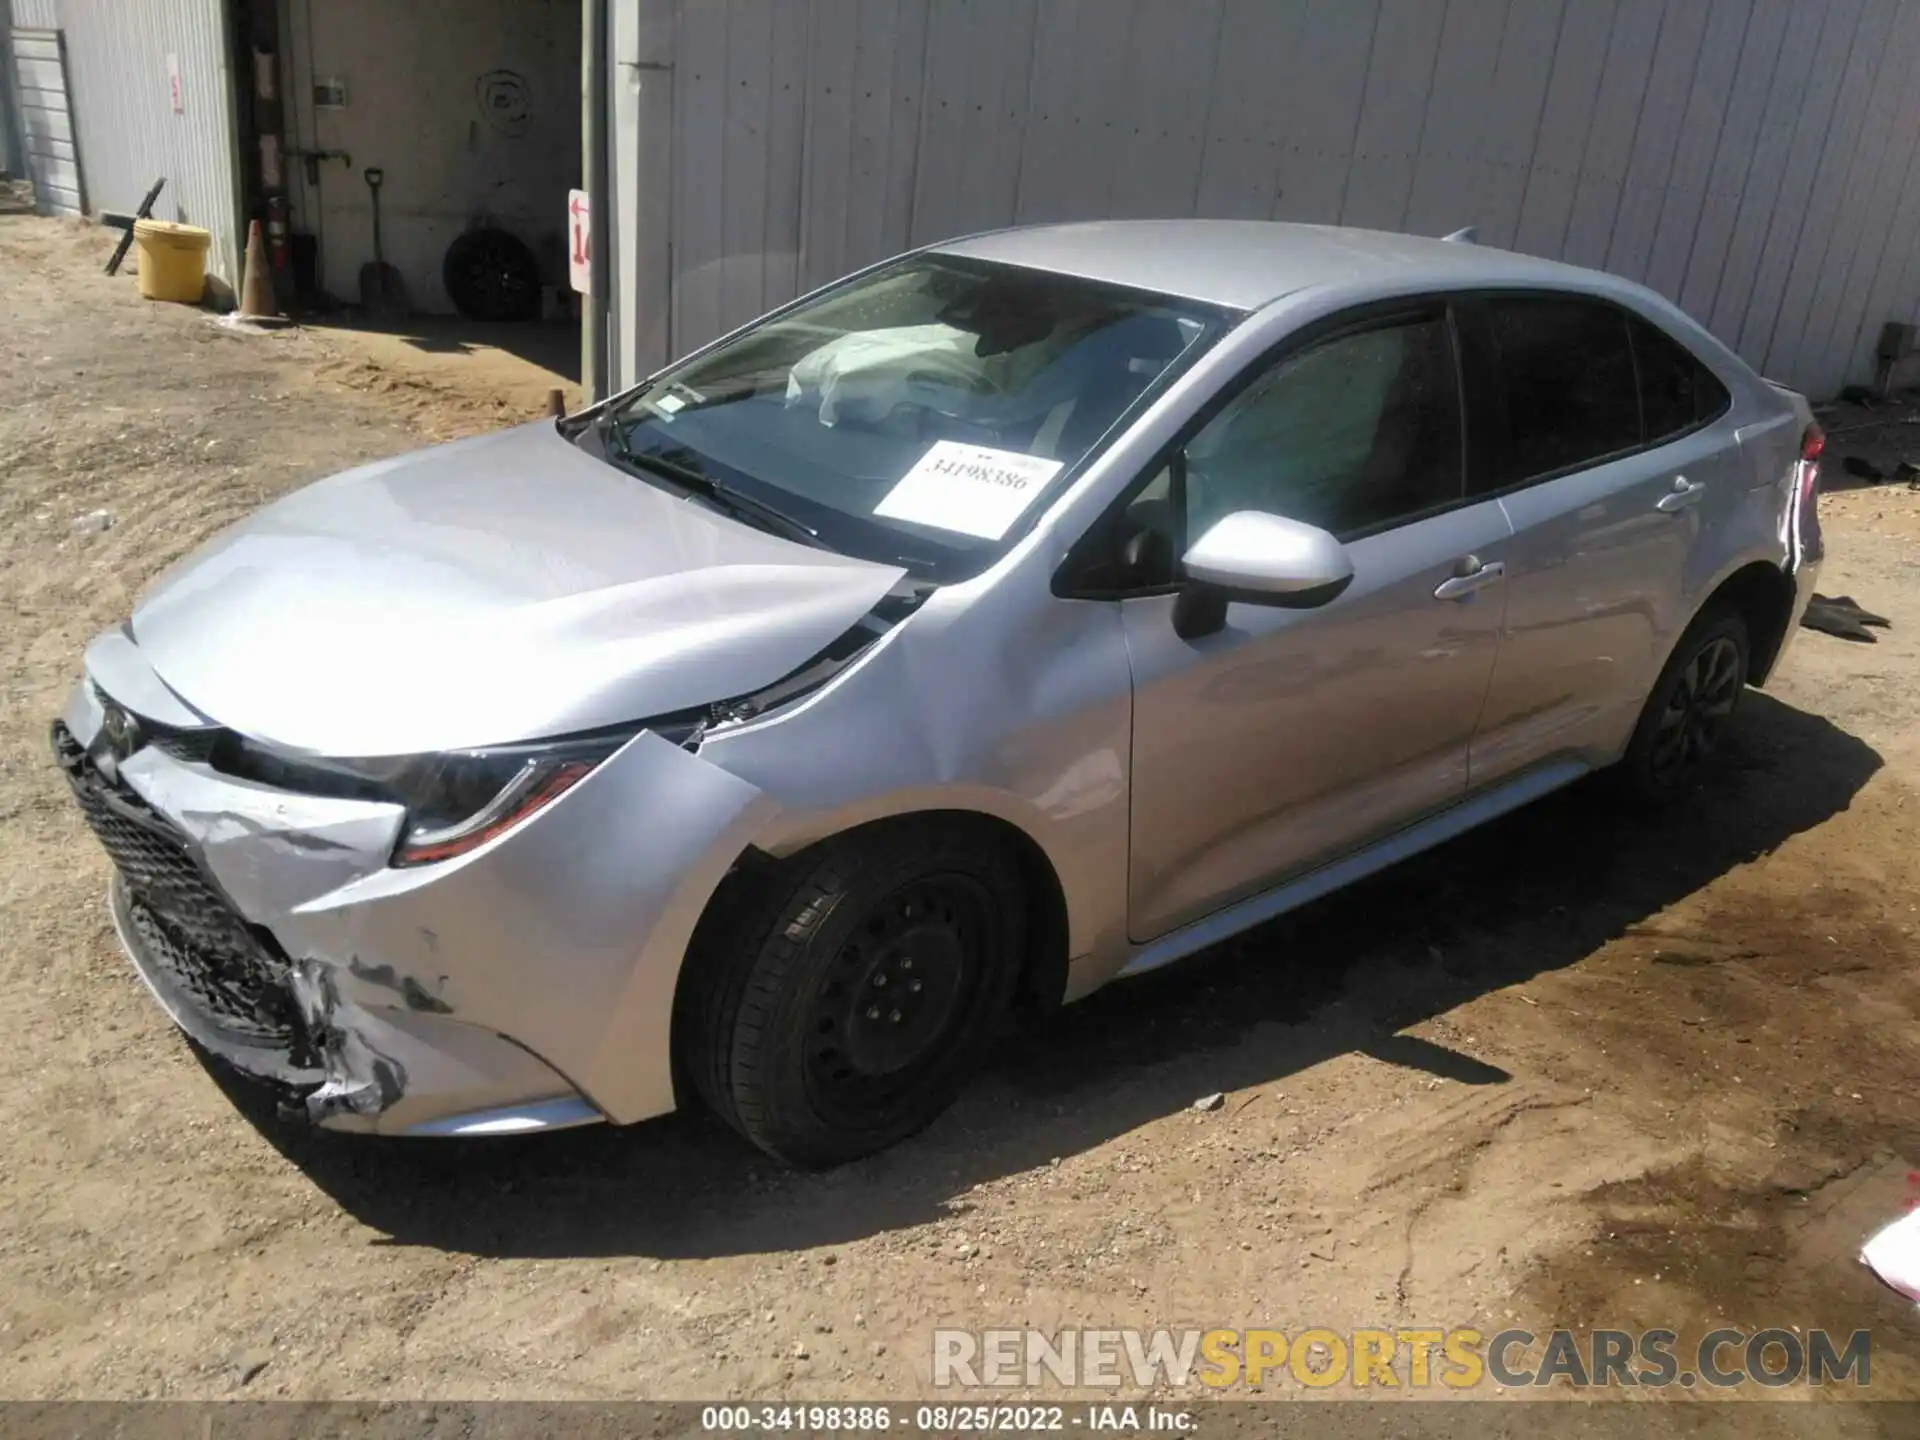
(195, 746)
(184, 926)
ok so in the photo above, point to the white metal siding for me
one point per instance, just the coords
(1755, 160)
(29, 14)
(49, 157)
(129, 133)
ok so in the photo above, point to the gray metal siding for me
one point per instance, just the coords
(1861, 234)
(130, 135)
(1758, 161)
(10, 162)
(48, 155)
(34, 14)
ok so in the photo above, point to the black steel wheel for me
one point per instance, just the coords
(895, 999)
(837, 1002)
(1686, 717)
(491, 275)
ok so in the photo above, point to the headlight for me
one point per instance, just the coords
(458, 802)
(455, 801)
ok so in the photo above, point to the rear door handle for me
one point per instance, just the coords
(1474, 576)
(1685, 492)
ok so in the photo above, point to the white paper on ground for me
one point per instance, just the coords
(1894, 1254)
(968, 488)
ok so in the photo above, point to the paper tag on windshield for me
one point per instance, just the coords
(968, 488)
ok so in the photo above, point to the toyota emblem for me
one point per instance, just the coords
(122, 731)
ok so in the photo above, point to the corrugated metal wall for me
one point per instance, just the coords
(1753, 159)
(10, 161)
(43, 14)
(130, 134)
(48, 156)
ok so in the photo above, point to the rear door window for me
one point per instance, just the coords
(1677, 392)
(1565, 368)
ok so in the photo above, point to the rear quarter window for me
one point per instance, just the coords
(1677, 392)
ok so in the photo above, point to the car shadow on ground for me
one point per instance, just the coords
(1536, 891)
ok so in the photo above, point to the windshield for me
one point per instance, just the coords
(917, 415)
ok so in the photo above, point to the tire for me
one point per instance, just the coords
(843, 997)
(1685, 720)
(491, 276)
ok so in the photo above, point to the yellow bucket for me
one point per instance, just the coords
(173, 260)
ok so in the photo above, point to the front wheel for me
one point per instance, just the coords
(1692, 704)
(850, 992)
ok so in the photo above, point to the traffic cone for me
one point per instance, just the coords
(256, 286)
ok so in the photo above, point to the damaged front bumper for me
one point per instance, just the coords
(526, 986)
(350, 1067)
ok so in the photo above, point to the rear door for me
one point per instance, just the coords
(1606, 470)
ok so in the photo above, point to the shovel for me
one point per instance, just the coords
(383, 295)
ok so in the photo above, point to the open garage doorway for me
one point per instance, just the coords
(455, 123)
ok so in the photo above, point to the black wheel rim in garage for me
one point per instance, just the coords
(491, 275)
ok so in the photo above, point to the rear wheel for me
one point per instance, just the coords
(1693, 703)
(850, 992)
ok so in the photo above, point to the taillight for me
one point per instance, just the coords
(1813, 442)
(1804, 512)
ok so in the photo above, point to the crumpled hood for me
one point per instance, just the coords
(497, 589)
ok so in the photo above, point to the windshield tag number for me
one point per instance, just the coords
(970, 489)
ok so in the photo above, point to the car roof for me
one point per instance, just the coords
(1245, 264)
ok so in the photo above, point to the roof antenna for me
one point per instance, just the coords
(1468, 236)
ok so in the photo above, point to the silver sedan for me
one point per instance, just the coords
(1015, 616)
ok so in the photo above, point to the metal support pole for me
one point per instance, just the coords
(594, 114)
(13, 154)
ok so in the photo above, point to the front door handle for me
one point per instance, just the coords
(1474, 576)
(1685, 492)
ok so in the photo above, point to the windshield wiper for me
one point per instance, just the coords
(724, 497)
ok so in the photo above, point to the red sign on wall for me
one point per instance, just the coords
(579, 242)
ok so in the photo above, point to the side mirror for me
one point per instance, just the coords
(1260, 559)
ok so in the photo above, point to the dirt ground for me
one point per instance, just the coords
(1576, 1069)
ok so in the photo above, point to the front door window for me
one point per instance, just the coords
(1357, 433)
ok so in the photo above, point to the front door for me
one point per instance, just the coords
(1292, 735)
